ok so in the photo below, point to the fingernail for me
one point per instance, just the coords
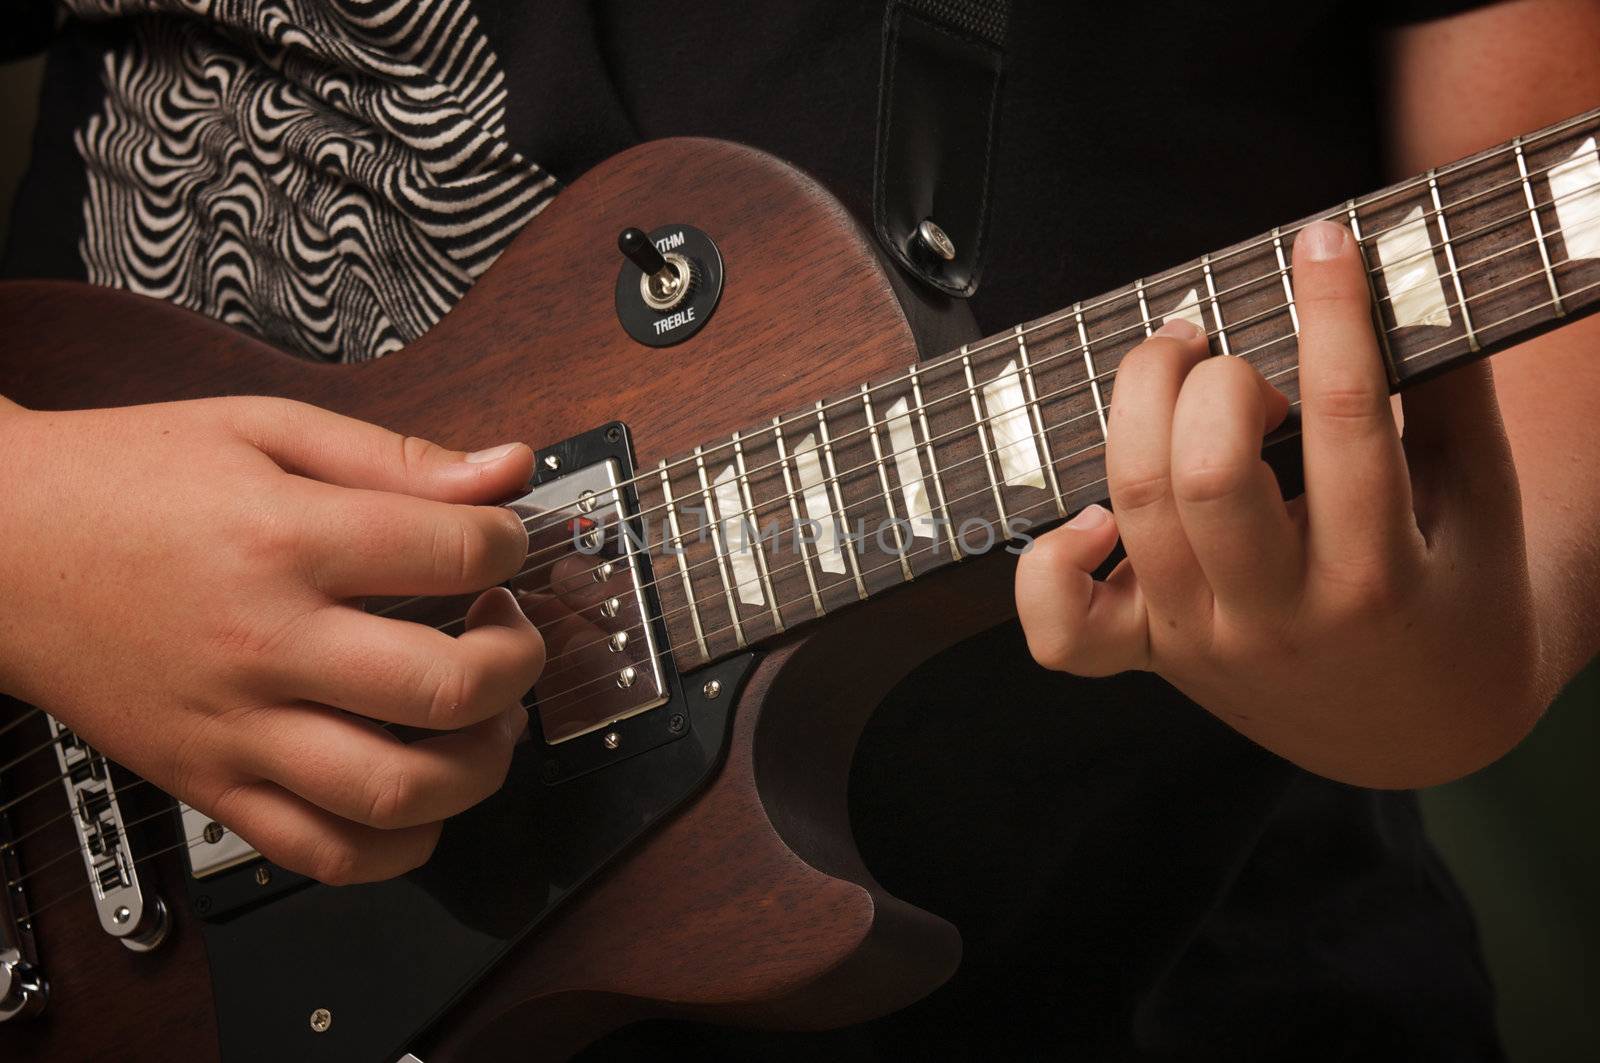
(1178, 328)
(1089, 517)
(492, 454)
(1322, 240)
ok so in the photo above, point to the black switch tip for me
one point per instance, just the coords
(640, 251)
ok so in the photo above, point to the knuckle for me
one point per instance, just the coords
(454, 552)
(1348, 401)
(1364, 591)
(416, 453)
(456, 691)
(391, 797)
(1141, 488)
(333, 862)
(1213, 481)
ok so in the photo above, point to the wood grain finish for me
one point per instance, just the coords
(534, 352)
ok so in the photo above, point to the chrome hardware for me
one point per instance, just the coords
(665, 289)
(935, 240)
(612, 740)
(552, 462)
(103, 844)
(214, 848)
(586, 507)
(712, 690)
(23, 990)
(321, 1020)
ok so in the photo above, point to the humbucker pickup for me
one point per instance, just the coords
(583, 586)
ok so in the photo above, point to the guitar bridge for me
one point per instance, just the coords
(103, 844)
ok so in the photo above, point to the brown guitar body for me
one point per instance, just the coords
(750, 905)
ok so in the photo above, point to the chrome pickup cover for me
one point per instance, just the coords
(582, 588)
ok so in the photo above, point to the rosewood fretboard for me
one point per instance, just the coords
(898, 478)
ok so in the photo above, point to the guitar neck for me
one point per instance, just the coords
(822, 507)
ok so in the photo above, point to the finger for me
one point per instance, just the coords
(1232, 512)
(1460, 458)
(1073, 623)
(295, 834)
(361, 773)
(1358, 491)
(1139, 465)
(321, 445)
(414, 675)
(369, 543)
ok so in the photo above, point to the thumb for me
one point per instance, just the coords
(315, 443)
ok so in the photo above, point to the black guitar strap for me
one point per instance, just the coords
(938, 107)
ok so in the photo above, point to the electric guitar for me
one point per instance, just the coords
(745, 479)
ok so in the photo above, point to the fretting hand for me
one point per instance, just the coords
(182, 587)
(1379, 630)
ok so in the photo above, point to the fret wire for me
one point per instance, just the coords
(1283, 272)
(1144, 308)
(1216, 310)
(1538, 227)
(1094, 374)
(1382, 330)
(1389, 365)
(1374, 198)
(1450, 261)
(933, 462)
(714, 519)
(1259, 316)
(678, 559)
(794, 511)
(1038, 418)
(1288, 370)
(983, 436)
(883, 482)
(848, 545)
(755, 520)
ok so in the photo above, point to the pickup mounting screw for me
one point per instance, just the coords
(321, 1020)
(122, 915)
(552, 462)
(712, 690)
(612, 740)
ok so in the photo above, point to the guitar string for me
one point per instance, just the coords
(751, 514)
(136, 782)
(1260, 243)
(920, 372)
(936, 545)
(1277, 275)
(716, 559)
(18, 722)
(75, 851)
(191, 842)
(188, 843)
(1519, 184)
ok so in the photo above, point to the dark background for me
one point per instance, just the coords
(1521, 835)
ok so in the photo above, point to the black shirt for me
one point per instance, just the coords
(1132, 878)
